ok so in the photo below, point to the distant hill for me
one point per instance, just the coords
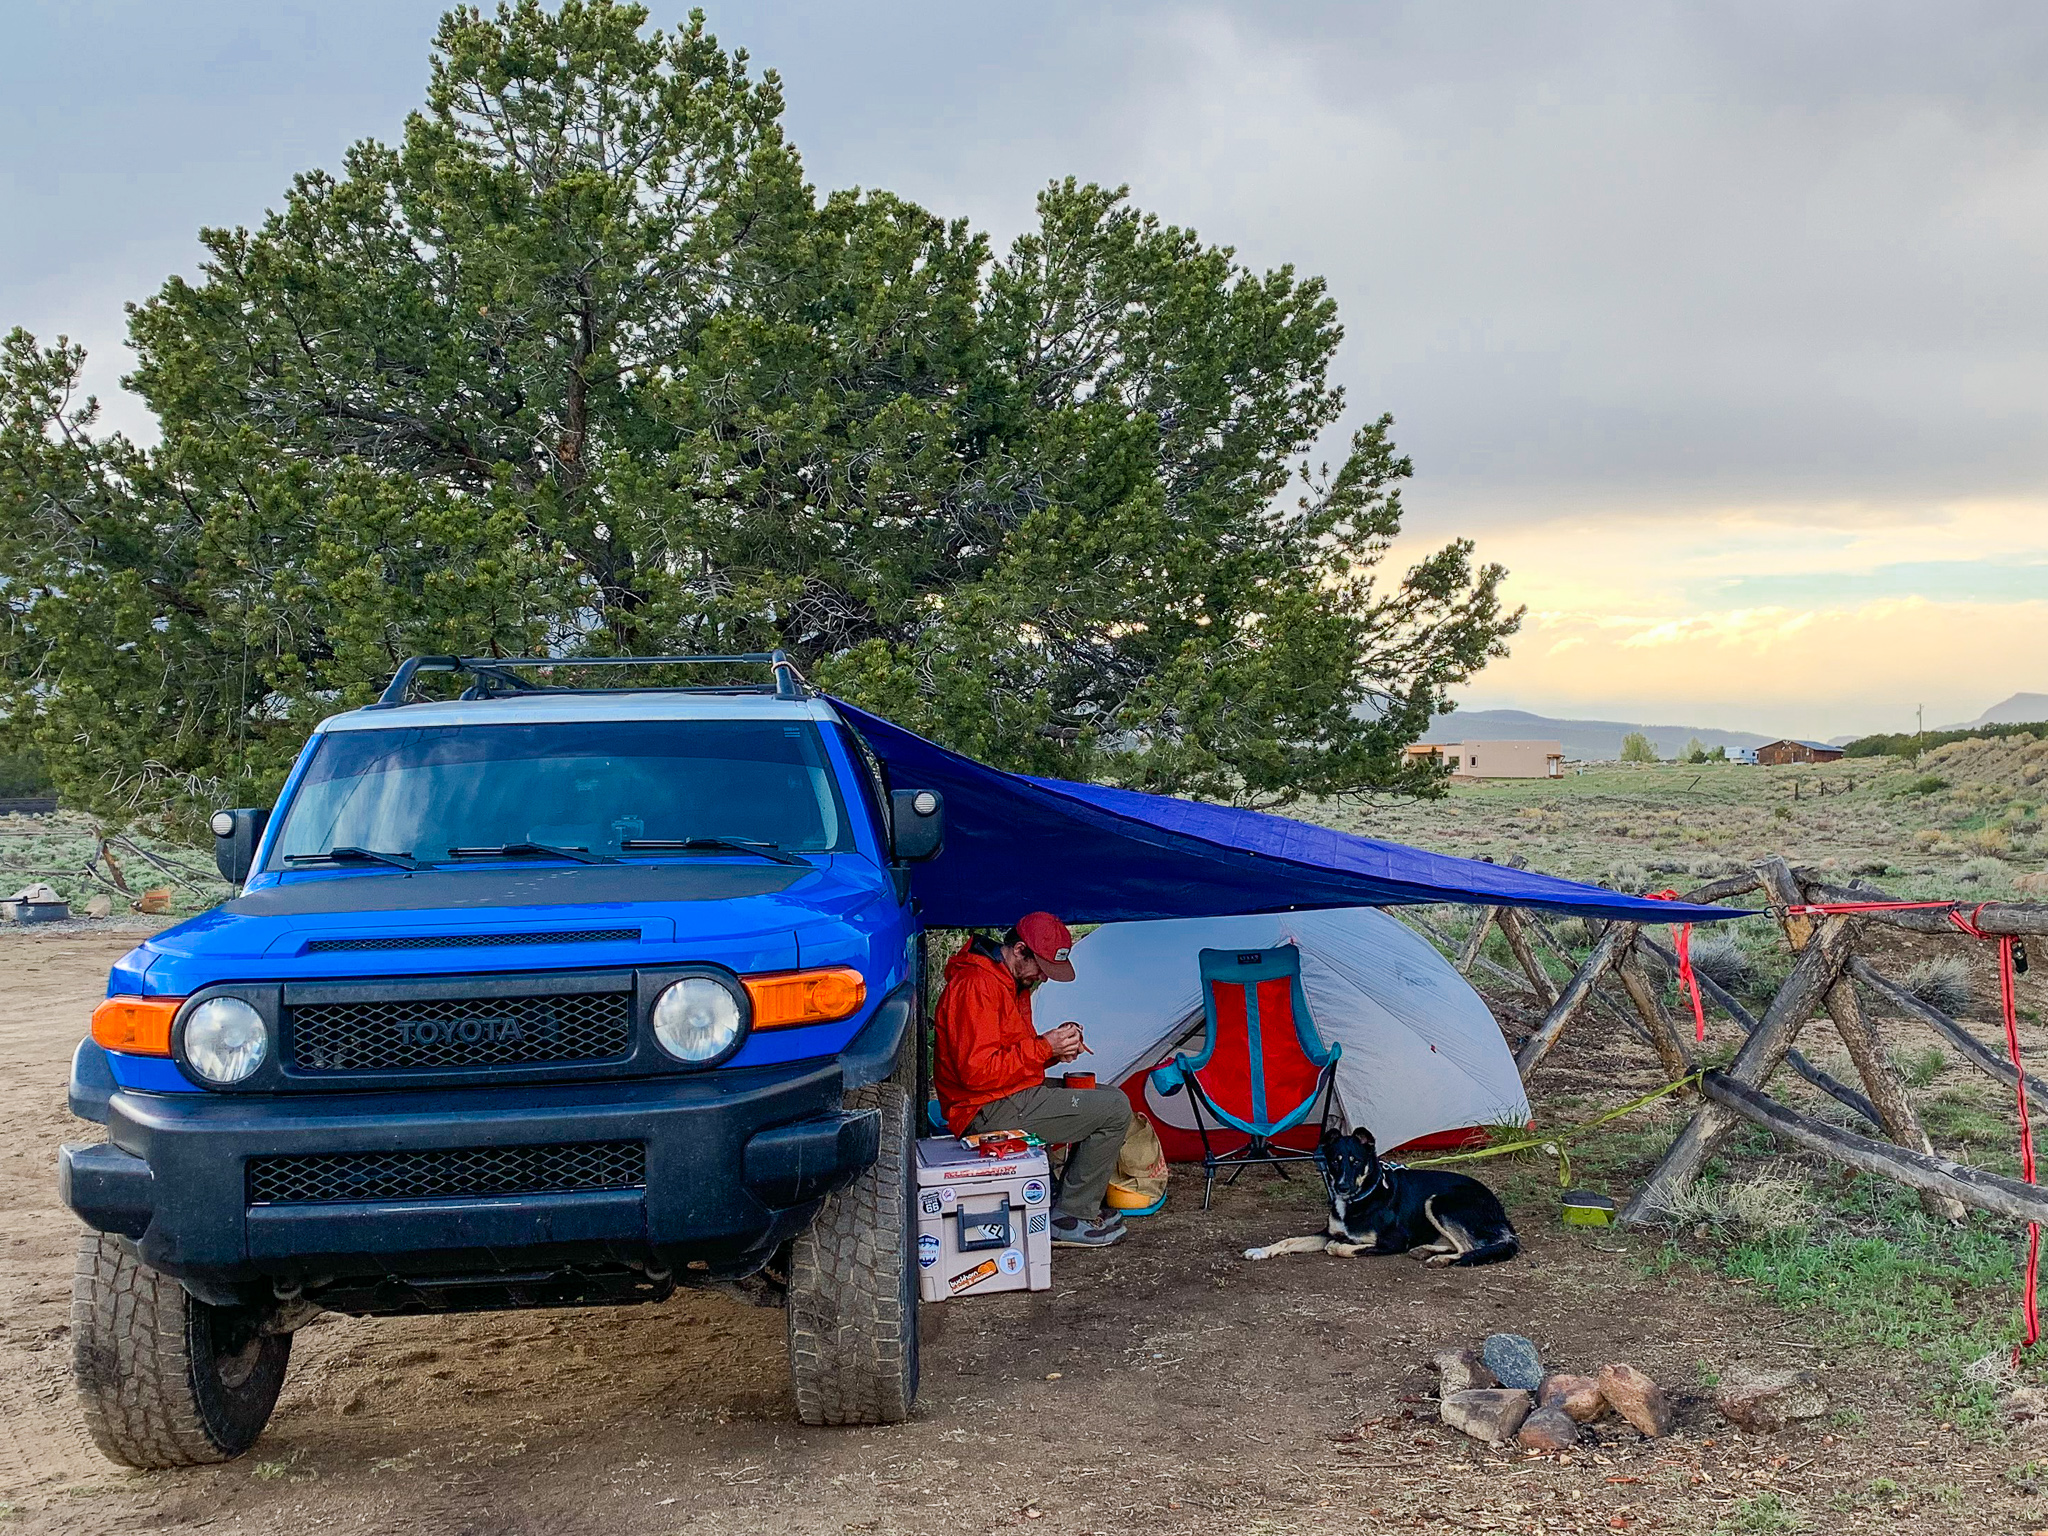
(2020, 709)
(1589, 741)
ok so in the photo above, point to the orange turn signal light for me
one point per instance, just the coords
(784, 998)
(141, 1026)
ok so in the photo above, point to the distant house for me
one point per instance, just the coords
(1775, 754)
(1495, 759)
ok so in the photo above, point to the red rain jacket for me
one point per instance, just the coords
(987, 1047)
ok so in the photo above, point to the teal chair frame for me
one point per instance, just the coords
(1248, 968)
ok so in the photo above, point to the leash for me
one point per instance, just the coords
(1555, 1144)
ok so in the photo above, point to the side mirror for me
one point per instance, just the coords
(917, 819)
(235, 836)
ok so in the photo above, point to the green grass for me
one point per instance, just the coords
(1983, 1135)
(1921, 1070)
(1766, 1512)
(1875, 1271)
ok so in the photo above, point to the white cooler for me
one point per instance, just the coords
(983, 1224)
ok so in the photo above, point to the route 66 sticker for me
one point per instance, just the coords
(928, 1202)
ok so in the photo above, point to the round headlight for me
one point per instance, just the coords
(225, 1040)
(696, 1019)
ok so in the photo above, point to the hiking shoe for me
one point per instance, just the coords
(1073, 1232)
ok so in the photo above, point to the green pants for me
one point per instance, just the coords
(1090, 1121)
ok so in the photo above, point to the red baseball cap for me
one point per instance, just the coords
(1047, 938)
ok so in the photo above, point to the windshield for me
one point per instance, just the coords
(595, 786)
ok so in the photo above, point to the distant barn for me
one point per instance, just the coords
(1776, 753)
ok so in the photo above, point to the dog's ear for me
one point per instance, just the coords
(1363, 1137)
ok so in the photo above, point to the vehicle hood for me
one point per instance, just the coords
(750, 916)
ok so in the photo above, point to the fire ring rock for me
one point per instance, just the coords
(1636, 1398)
(1461, 1371)
(1548, 1429)
(1513, 1359)
(1766, 1401)
(1492, 1414)
(1577, 1396)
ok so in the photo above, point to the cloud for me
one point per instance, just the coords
(1721, 326)
(1810, 672)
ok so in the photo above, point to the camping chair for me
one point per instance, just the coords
(1262, 1069)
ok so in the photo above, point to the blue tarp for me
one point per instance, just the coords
(1016, 843)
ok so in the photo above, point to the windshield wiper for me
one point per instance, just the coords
(712, 845)
(532, 851)
(356, 856)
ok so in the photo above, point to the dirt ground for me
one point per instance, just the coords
(1165, 1386)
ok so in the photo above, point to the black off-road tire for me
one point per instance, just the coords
(853, 1284)
(166, 1380)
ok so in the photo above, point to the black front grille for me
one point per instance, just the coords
(474, 940)
(425, 1034)
(329, 1178)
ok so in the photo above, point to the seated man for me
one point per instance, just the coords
(990, 1063)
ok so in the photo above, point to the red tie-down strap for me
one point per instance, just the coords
(2008, 1002)
(1686, 978)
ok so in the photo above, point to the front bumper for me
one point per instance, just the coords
(736, 1162)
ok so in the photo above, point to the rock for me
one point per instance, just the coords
(1514, 1360)
(1636, 1398)
(1492, 1414)
(2024, 1405)
(1766, 1401)
(100, 906)
(1548, 1429)
(1579, 1397)
(1461, 1371)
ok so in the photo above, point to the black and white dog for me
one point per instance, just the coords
(1380, 1208)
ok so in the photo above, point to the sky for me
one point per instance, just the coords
(1722, 327)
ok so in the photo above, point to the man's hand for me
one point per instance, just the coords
(1063, 1042)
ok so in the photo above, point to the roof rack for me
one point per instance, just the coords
(492, 675)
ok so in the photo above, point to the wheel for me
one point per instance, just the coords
(166, 1380)
(853, 1284)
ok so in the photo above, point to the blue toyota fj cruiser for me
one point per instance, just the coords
(537, 997)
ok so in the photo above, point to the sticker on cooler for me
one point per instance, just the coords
(929, 1202)
(974, 1276)
(1012, 1261)
(927, 1250)
(1034, 1191)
